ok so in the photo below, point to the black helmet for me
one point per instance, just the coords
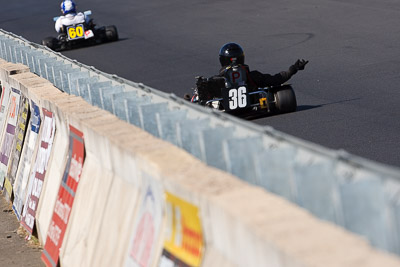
(230, 52)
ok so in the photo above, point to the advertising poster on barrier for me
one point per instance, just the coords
(8, 138)
(183, 245)
(17, 147)
(24, 170)
(39, 170)
(5, 96)
(65, 198)
(147, 225)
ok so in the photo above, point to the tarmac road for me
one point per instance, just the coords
(14, 250)
(348, 96)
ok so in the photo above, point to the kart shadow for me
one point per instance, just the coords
(265, 115)
(300, 108)
(92, 45)
(307, 107)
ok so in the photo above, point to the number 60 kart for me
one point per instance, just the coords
(81, 34)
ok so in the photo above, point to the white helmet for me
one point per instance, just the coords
(68, 6)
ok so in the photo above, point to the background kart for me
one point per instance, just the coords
(245, 103)
(81, 34)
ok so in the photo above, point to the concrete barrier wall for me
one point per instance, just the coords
(142, 201)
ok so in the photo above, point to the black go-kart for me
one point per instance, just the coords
(239, 100)
(80, 35)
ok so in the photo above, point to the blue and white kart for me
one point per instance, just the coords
(81, 34)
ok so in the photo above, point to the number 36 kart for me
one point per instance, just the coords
(242, 102)
(81, 34)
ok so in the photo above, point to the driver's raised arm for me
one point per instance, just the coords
(264, 80)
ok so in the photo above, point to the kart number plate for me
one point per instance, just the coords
(76, 32)
(235, 98)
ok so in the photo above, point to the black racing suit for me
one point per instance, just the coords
(210, 88)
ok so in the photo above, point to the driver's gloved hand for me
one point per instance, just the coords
(298, 65)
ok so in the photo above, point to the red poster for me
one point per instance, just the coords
(65, 198)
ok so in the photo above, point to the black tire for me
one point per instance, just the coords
(50, 42)
(111, 33)
(285, 100)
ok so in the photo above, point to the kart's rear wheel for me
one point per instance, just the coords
(111, 33)
(285, 100)
(50, 42)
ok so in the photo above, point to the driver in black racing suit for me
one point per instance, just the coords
(235, 73)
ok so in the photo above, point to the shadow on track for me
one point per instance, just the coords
(84, 46)
(300, 108)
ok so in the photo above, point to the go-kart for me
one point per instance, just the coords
(81, 34)
(243, 102)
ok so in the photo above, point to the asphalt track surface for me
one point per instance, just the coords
(348, 96)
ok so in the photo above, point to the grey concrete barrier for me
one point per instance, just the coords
(349, 191)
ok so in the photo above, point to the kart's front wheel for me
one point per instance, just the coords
(50, 42)
(285, 100)
(111, 33)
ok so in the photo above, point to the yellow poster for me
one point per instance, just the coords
(184, 237)
(8, 187)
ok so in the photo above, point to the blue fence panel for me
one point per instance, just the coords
(166, 124)
(274, 168)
